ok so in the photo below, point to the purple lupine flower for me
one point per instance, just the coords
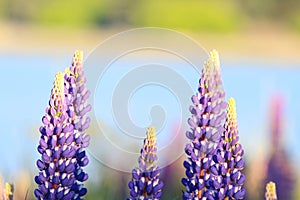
(208, 114)
(228, 160)
(63, 138)
(145, 183)
(279, 166)
(75, 85)
(78, 94)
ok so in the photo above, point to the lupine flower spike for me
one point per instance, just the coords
(271, 191)
(229, 162)
(206, 123)
(61, 145)
(145, 183)
(8, 192)
(78, 94)
(280, 168)
(75, 85)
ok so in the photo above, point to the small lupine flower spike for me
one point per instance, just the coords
(145, 183)
(63, 140)
(9, 192)
(206, 128)
(271, 191)
(228, 160)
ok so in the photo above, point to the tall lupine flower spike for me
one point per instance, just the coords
(78, 94)
(145, 183)
(271, 191)
(61, 146)
(206, 123)
(229, 160)
(57, 148)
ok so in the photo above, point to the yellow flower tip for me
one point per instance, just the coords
(231, 103)
(78, 56)
(67, 71)
(151, 137)
(215, 57)
(231, 117)
(59, 83)
(59, 92)
(271, 191)
(77, 61)
(212, 66)
(8, 191)
(231, 109)
(151, 132)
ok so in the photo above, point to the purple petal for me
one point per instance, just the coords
(38, 194)
(69, 195)
(70, 168)
(192, 123)
(240, 194)
(195, 99)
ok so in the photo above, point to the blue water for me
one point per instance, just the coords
(26, 81)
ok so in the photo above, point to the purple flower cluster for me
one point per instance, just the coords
(279, 166)
(213, 164)
(63, 137)
(145, 183)
(75, 85)
(206, 129)
(228, 160)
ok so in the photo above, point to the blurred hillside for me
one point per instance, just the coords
(219, 16)
(267, 29)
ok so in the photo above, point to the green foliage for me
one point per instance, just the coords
(2, 9)
(112, 185)
(190, 14)
(70, 13)
(196, 15)
(295, 22)
(270, 9)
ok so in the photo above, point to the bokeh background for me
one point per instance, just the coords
(259, 46)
